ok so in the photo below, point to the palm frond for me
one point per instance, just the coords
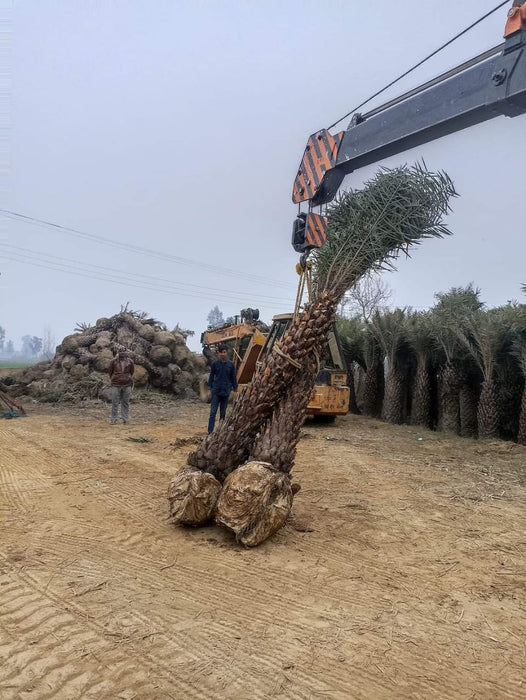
(488, 335)
(369, 228)
(351, 334)
(419, 334)
(389, 329)
(447, 319)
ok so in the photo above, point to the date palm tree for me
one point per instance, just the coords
(488, 336)
(351, 333)
(418, 331)
(389, 329)
(374, 381)
(367, 229)
(519, 349)
(447, 317)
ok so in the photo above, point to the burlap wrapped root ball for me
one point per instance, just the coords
(255, 502)
(192, 497)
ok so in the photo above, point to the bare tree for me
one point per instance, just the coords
(48, 344)
(31, 346)
(371, 294)
(215, 317)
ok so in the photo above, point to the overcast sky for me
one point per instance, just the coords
(177, 126)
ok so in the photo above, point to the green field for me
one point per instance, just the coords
(5, 364)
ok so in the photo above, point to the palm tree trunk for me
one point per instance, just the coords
(521, 437)
(421, 405)
(393, 408)
(277, 443)
(488, 410)
(353, 405)
(373, 390)
(229, 446)
(449, 399)
(468, 404)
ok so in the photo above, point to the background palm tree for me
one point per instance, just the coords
(469, 394)
(374, 378)
(418, 332)
(447, 317)
(519, 349)
(390, 331)
(350, 331)
(488, 336)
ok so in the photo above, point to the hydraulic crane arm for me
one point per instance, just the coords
(489, 85)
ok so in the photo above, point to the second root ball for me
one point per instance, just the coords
(255, 502)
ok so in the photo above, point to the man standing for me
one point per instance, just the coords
(121, 378)
(221, 382)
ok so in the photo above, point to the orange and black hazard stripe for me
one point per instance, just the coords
(315, 230)
(516, 19)
(320, 155)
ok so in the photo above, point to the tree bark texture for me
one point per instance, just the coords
(393, 405)
(450, 400)
(468, 404)
(521, 437)
(488, 411)
(277, 443)
(353, 404)
(373, 390)
(421, 404)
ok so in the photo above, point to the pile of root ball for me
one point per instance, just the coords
(80, 367)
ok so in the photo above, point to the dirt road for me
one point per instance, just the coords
(404, 576)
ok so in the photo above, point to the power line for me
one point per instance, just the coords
(68, 269)
(420, 63)
(126, 274)
(159, 255)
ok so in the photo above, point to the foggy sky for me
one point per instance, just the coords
(178, 126)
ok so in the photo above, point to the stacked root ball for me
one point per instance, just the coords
(82, 360)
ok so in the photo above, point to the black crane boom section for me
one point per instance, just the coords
(493, 86)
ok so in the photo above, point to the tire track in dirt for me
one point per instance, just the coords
(262, 614)
(175, 620)
(20, 484)
(142, 565)
(16, 495)
(244, 593)
(140, 568)
(56, 629)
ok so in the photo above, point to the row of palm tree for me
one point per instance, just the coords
(459, 367)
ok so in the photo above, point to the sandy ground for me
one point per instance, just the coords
(403, 577)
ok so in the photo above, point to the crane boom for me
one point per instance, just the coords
(488, 86)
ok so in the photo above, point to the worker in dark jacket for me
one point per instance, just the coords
(221, 382)
(121, 378)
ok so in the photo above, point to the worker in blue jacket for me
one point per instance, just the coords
(221, 382)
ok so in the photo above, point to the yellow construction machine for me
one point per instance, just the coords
(243, 337)
(248, 340)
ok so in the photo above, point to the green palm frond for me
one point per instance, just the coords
(351, 334)
(418, 327)
(447, 319)
(389, 329)
(373, 353)
(369, 228)
(519, 351)
(518, 343)
(488, 335)
(458, 300)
